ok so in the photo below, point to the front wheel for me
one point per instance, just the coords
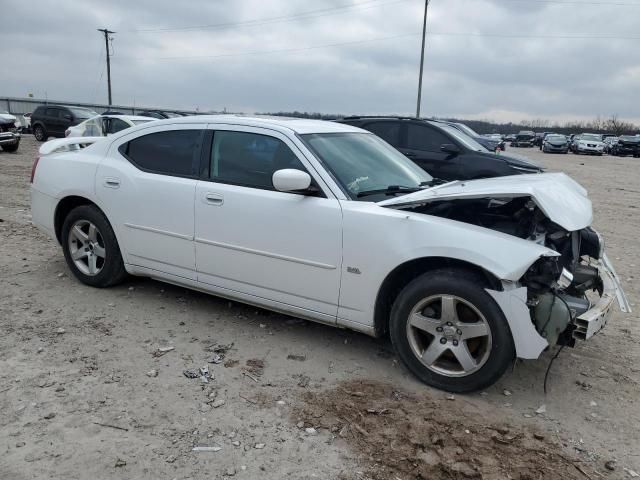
(12, 147)
(450, 332)
(91, 248)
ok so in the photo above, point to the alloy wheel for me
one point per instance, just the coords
(86, 247)
(449, 335)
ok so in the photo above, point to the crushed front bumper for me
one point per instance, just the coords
(594, 319)
(9, 138)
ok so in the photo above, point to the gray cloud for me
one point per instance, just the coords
(56, 49)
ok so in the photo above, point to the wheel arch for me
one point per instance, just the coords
(404, 273)
(65, 206)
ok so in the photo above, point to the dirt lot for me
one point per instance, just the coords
(85, 391)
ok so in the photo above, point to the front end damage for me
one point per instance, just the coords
(564, 296)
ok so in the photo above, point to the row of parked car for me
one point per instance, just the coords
(584, 143)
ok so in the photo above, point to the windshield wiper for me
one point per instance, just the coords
(390, 190)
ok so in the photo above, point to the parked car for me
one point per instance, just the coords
(488, 143)
(555, 143)
(525, 138)
(627, 145)
(441, 149)
(464, 277)
(103, 125)
(9, 132)
(510, 137)
(609, 143)
(53, 120)
(159, 115)
(26, 122)
(588, 143)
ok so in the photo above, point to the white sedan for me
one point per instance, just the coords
(103, 125)
(327, 222)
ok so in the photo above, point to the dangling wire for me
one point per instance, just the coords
(546, 375)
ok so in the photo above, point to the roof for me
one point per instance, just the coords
(297, 125)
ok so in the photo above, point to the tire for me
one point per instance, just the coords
(491, 353)
(40, 133)
(98, 261)
(11, 148)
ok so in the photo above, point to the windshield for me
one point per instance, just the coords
(467, 130)
(556, 138)
(591, 138)
(139, 122)
(363, 162)
(83, 112)
(171, 115)
(462, 138)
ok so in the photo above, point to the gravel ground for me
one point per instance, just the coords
(85, 391)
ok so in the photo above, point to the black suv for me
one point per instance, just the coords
(442, 150)
(626, 145)
(52, 120)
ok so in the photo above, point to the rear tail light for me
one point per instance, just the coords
(33, 169)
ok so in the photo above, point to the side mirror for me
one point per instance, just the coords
(66, 116)
(450, 148)
(291, 180)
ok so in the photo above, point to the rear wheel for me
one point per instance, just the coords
(450, 332)
(91, 248)
(40, 133)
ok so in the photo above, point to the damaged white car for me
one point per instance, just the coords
(327, 222)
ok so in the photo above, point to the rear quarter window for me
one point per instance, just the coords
(172, 152)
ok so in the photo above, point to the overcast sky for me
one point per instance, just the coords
(498, 59)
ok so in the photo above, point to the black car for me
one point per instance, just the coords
(627, 145)
(440, 149)
(554, 143)
(53, 120)
(526, 138)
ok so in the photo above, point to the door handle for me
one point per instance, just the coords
(111, 182)
(409, 154)
(214, 199)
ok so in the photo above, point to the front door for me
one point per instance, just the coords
(259, 242)
(423, 144)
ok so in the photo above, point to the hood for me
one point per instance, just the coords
(7, 118)
(519, 160)
(563, 200)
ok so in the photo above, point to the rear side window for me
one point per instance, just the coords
(173, 152)
(115, 125)
(425, 138)
(388, 131)
(52, 112)
(249, 159)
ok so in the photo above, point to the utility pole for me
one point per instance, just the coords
(424, 34)
(106, 45)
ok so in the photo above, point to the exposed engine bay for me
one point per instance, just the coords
(557, 287)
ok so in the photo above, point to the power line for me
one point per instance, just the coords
(391, 37)
(279, 19)
(284, 50)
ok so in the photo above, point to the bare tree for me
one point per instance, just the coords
(617, 126)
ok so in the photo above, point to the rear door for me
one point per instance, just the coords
(423, 146)
(391, 131)
(53, 121)
(148, 182)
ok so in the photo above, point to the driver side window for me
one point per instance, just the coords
(249, 159)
